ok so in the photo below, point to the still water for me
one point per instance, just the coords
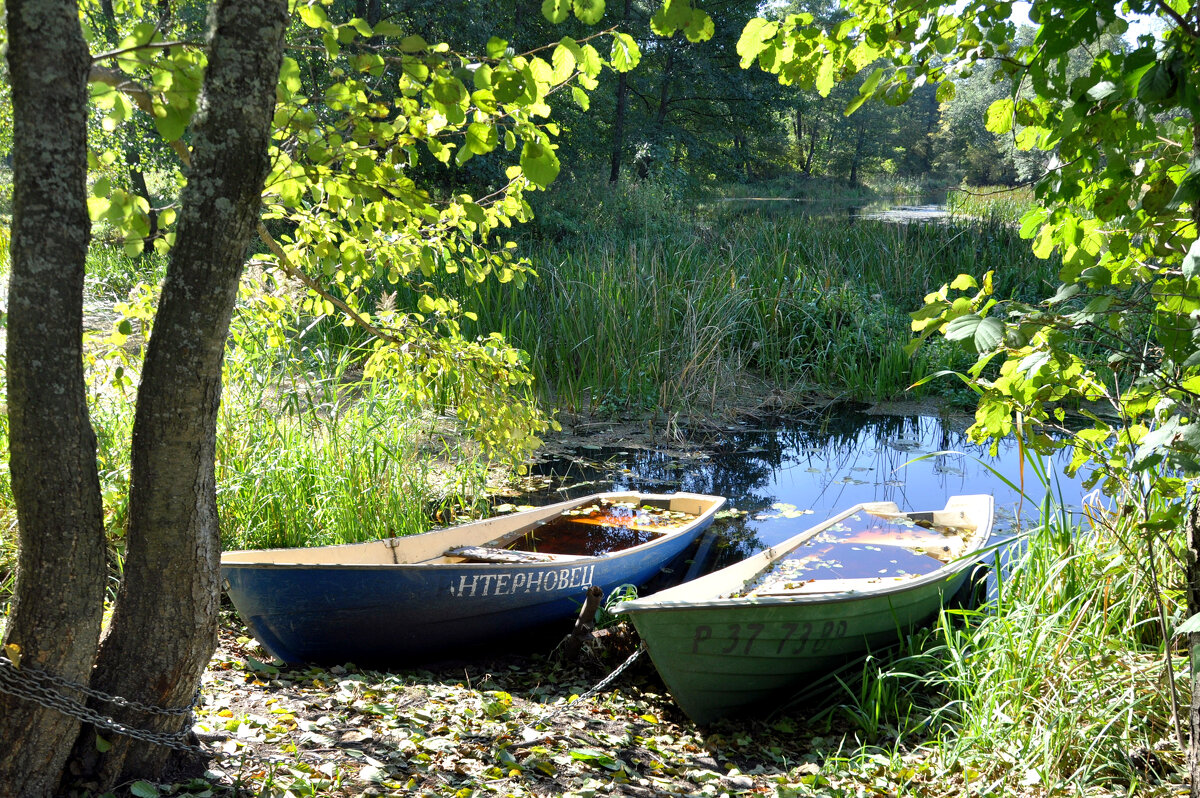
(784, 479)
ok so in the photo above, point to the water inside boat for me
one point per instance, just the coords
(600, 528)
(864, 547)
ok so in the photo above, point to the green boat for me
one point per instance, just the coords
(730, 642)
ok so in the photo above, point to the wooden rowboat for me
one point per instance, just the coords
(754, 632)
(423, 596)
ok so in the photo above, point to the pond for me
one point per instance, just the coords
(921, 208)
(785, 478)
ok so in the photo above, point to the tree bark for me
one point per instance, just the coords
(618, 134)
(858, 148)
(163, 630)
(59, 597)
(1192, 529)
(664, 90)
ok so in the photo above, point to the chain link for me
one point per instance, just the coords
(44, 677)
(578, 702)
(40, 688)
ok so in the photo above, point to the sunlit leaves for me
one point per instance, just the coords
(589, 12)
(556, 10)
(700, 27)
(625, 53)
(1118, 205)
(753, 41)
(539, 163)
(999, 118)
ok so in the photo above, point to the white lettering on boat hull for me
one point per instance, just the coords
(522, 583)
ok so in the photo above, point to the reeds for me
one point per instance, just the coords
(1056, 686)
(670, 317)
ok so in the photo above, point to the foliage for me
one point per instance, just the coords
(1119, 208)
(351, 223)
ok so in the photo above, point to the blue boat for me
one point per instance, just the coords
(462, 588)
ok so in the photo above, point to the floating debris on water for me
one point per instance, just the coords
(872, 548)
(600, 527)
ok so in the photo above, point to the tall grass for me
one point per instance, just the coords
(1001, 204)
(675, 315)
(1057, 686)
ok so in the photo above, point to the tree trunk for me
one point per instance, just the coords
(664, 90)
(163, 629)
(59, 596)
(812, 148)
(618, 136)
(858, 148)
(1192, 528)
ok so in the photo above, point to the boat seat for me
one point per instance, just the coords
(488, 554)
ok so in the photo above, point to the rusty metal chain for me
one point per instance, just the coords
(44, 689)
(529, 730)
(44, 677)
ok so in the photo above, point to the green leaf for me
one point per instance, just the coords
(497, 47)
(1000, 116)
(563, 62)
(1103, 90)
(556, 10)
(1190, 626)
(389, 29)
(539, 163)
(700, 27)
(625, 53)
(1191, 261)
(314, 17)
(1189, 188)
(448, 90)
(413, 44)
(825, 80)
(102, 745)
(754, 39)
(588, 12)
(481, 138)
(144, 789)
(289, 76)
(983, 334)
(507, 85)
(171, 121)
(1158, 83)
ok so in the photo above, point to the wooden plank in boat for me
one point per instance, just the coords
(487, 554)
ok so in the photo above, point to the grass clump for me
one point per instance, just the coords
(1002, 204)
(1056, 687)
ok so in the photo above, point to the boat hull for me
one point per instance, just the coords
(723, 651)
(396, 612)
(727, 661)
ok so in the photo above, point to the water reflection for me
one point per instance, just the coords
(819, 469)
(927, 208)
